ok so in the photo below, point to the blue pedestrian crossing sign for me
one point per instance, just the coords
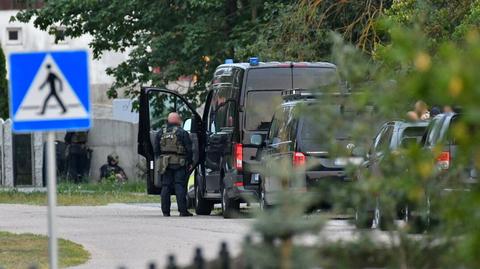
(49, 91)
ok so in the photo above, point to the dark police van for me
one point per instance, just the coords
(240, 104)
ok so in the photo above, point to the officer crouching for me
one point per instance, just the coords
(174, 160)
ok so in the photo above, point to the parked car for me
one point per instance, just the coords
(238, 106)
(390, 139)
(455, 172)
(440, 134)
(300, 138)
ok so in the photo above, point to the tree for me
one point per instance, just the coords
(439, 20)
(3, 87)
(173, 38)
(301, 30)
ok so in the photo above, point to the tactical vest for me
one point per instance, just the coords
(172, 148)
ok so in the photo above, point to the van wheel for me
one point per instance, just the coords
(202, 206)
(230, 207)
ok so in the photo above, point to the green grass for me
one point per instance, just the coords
(24, 250)
(84, 194)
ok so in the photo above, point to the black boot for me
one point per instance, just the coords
(186, 214)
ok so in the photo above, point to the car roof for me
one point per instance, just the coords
(406, 124)
(246, 66)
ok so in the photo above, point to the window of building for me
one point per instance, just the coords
(14, 36)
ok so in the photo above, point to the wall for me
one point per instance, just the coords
(109, 136)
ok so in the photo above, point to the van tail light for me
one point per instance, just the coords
(299, 159)
(443, 160)
(238, 154)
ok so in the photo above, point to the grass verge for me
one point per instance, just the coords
(86, 194)
(24, 250)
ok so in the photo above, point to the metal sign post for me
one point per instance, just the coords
(50, 91)
(52, 200)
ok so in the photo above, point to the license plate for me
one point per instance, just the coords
(255, 178)
(346, 161)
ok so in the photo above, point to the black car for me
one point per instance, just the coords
(390, 139)
(238, 106)
(299, 138)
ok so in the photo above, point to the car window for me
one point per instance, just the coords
(161, 104)
(225, 87)
(434, 131)
(450, 136)
(412, 135)
(383, 142)
(259, 108)
(283, 131)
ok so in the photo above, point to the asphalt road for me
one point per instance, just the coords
(134, 235)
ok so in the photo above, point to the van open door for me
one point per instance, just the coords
(155, 105)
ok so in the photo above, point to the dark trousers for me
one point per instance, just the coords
(174, 181)
(76, 166)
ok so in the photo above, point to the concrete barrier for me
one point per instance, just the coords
(107, 136)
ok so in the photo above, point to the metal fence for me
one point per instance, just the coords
(224, 261)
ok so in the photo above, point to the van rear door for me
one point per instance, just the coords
(155, 105)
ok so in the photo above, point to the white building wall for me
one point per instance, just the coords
(33, 39)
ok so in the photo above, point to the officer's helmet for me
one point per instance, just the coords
(113, 158)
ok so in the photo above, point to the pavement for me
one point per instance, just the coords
(132, 235)
(129, 235)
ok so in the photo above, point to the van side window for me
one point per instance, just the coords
(212, 114)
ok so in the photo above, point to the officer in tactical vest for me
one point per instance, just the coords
(174, 159)
(78, 156)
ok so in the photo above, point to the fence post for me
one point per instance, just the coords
(171, 262)
(224, 256)
(198, 261)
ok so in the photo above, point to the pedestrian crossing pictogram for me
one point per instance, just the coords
(49, 91)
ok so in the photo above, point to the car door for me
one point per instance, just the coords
(220, 121)
(281, 146)
(155, 105)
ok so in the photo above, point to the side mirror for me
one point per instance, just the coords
(187, 125)
(256, 140)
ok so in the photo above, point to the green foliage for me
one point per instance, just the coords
(177, 38)
(3, 87)
(440, 20)
(300, 31)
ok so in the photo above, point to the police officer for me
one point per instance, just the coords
(112, 169)
(175, 158)
(77, 156)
